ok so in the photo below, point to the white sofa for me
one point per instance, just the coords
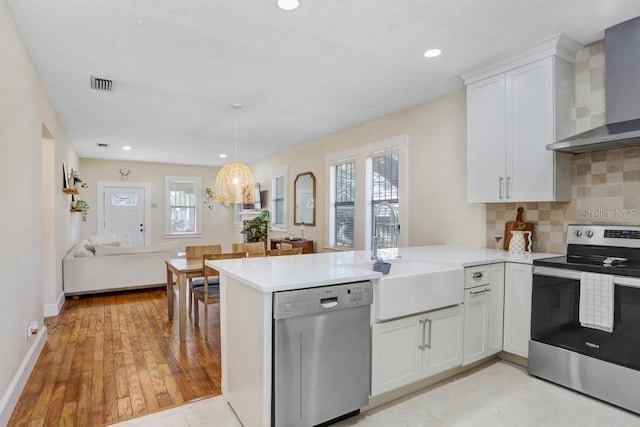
(113, 266)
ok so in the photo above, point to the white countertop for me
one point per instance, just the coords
(274, 274)
(280, 273)
(465, 256)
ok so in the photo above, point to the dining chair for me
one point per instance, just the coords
(279, 252)
(196, 253)
(209, 293)
(253, 249)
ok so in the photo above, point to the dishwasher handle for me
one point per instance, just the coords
(329, 302)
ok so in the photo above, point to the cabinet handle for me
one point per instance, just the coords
(507, 187)
(422, 346)
(477, 275)
(429, 343)
(476, 293)
(500, 181)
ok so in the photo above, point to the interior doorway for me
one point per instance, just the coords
(124, 209)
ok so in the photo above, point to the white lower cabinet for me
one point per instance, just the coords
(416, 347)
(517, 308)
(483, 311)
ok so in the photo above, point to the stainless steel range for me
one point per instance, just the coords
(585, 318)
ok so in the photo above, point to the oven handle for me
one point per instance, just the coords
(632, 282)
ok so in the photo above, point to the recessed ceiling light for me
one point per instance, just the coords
(288, 4)
(223, 156)
(126, 148)
(432, 53)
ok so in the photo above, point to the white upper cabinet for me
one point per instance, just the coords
(515, 107)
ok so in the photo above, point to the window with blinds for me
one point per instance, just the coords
(278, 202)
(183, 194)
(342, 200)
(382, 180)
(278, 198)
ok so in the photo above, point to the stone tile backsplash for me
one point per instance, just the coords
(605, 188)
(605, 185)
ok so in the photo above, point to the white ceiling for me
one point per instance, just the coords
(177, 66)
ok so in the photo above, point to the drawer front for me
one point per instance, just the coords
(477, 276)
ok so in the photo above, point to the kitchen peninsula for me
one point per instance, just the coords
(246, 309)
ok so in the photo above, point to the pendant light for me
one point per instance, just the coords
(234, 182)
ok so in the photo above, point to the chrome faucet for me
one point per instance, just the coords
(396, 226)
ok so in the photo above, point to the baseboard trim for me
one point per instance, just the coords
(10, 397)
(50, 310)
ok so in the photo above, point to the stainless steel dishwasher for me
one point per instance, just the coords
(322, 353)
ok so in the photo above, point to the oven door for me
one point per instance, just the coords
(555, 317)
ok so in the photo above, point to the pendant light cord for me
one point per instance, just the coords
(236, 107)
(235, 158)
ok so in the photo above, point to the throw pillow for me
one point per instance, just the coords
(82, 251)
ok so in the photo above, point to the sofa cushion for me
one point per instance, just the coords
(106, 250)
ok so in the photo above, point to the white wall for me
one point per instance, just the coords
(438, 211)
(24, 109)
(217, 224)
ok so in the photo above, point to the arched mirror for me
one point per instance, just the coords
(304, 199)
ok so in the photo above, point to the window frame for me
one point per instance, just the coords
(362, 233)
(197, 181)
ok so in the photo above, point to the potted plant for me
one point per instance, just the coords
(257, 229)
(208, 197)
(80, 206)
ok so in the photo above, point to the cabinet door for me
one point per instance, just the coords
(486, 140)
(444, 340)
(517, 308)
(530, 124)
(476, 323)
(396, 359)
(496, 309)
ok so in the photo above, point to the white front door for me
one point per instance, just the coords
(124, 213)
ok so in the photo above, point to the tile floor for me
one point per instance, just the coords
(498, 394)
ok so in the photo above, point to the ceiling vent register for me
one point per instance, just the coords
(101, 84)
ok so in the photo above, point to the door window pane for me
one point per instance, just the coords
(124, 199)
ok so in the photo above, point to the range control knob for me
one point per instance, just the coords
(589, 233)
(578, 233)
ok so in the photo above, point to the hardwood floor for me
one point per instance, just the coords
(115, 356)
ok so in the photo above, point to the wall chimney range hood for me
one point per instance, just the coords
(622, 95)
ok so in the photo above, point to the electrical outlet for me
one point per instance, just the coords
(31, 329)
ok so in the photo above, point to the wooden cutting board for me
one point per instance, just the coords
(517, 225)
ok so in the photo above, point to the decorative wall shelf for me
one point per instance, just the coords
(70, 190)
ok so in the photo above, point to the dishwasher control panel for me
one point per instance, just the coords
(321, 299)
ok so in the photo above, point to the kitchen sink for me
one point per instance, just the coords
(414, 286)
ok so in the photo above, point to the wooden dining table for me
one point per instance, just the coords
(183, 269)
